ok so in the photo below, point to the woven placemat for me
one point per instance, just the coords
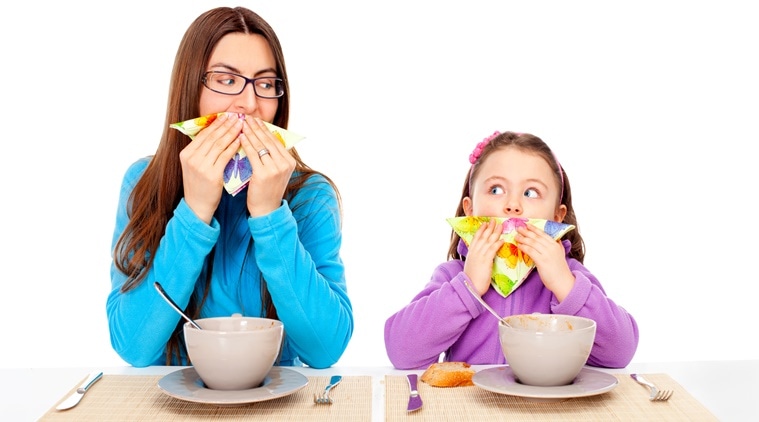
(138, 398)
(628, 401)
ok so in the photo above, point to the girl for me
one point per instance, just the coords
(512, 175)
(272, 250)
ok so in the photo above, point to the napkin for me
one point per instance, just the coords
(510, 266)
(238, 171)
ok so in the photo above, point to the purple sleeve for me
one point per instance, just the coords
(444, 317)
(415, 336)
(616, 330)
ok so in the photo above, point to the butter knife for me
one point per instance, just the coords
(77, 395)
(414, 400)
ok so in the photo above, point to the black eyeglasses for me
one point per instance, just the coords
(232, 84)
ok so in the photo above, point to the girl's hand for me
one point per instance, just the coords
(203, 161)
(271, 172)
(549, 257)
(478, 265)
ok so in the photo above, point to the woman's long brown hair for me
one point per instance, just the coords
(159, 190)
(534, 145)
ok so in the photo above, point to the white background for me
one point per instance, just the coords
(650, 106)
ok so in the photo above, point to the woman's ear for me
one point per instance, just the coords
(467, 205)
(560, 213)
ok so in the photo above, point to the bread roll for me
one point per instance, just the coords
(448, 374)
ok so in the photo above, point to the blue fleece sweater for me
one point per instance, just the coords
(296, 248)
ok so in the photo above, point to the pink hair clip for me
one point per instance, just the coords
(475, 155)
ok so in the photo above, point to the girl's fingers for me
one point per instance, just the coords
(532, 235)
(492, 230)
(488, 237)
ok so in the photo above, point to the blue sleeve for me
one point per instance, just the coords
(140, 321)
(305, 274)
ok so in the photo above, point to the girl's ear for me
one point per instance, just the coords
(560, 213)
(467, 205)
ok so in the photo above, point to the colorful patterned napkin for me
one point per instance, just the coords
(238, 171)
(511, 266)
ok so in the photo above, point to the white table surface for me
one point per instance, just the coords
(729, 389)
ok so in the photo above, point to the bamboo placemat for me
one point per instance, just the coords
(138, 398)
(628, 401)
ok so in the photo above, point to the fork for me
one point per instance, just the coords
(324, 397)
(656, 394)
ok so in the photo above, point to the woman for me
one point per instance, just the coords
(271, 250)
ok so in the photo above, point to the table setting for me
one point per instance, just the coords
(546, 378)
(234, 376)
(134, 397)
(626, 400)
(727, 389)
(140, 397)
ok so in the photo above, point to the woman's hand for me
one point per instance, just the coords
(271, 171)
(203, 162)
(549, 257)
(478, 265)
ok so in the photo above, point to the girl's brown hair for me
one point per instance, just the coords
(534, 145)
(159, 190)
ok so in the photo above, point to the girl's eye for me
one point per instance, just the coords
(531, 193)
(496, 190)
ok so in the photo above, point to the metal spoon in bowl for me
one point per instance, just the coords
(484, 304)
(174, 305)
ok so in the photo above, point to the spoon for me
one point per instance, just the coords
(484, 304)
(174, 305)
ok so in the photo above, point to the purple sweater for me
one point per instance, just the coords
(446, 318)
